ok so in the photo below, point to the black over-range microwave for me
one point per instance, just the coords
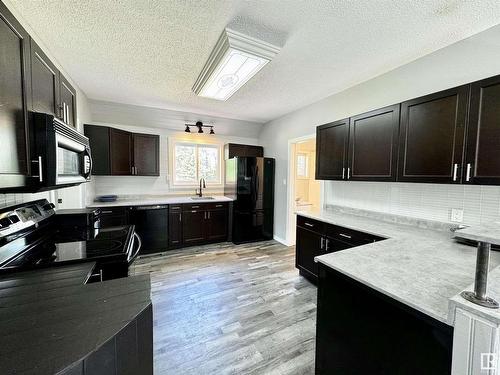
(60, 155)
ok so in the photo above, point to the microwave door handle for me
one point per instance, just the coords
(91, 163)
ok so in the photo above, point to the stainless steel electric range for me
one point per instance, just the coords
(33, 236)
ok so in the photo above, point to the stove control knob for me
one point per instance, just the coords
(5, 222)
(48, 206)
(13, 219)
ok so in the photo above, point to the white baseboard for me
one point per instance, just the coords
(281, 240)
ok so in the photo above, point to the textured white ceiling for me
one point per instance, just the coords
(151, 52)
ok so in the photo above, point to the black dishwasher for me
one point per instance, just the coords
(151, 224)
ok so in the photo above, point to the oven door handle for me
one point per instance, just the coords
(134, 255)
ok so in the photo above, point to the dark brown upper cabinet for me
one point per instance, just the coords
(68, 102)
(117, 152)
(373, 145)
(99, 146)
(44, 83)
(432, 137)
(120, 152)
(15, 98)
(331, 150)
(146, 155)
(482, 161)
(232, 150)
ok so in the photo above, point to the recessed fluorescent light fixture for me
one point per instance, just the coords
(235, 59)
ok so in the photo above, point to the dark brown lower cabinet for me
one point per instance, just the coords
(362, 331)
(204, 223)
(130, 351)
(188, 224)
(113, 216)
(193, 226)
(175, 226)
(307, 246)
(315, 238)
(217, 224)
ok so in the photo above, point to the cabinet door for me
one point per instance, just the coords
(44, 83)
(175, 227)
(307, 246)
(232, 150)
(113, 216)
(217, 225)
(331, 150)
(483, 135)
(146, 154)
(373, 151)
(432, 137)
(14, 100)
(99, 145)
(68, 101)
(120, 145)
(193, 226)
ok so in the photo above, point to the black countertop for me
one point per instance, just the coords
(50, 319)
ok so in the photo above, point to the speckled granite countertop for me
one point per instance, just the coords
(50, 319)
(159, 200)
(421, 267)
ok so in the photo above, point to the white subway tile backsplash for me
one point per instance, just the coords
(11, 199)
(481, 204)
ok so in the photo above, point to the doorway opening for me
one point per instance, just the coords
(304, 191)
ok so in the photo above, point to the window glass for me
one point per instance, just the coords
(194, 161)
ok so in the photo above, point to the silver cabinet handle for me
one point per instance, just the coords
(348, 172)
(344, 235)
(455, 170)
(195, 206)
(322, 243)
(208, 213)
(469, 167)
(343, 173)
(326, 244)
(309, 225)
(40, 168)
(180, 217)
(107, 212)
(218, 205)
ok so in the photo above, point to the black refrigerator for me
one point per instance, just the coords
(250, 182)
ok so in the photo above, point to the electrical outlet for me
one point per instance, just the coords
(457, 215)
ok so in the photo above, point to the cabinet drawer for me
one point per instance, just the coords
(311, 224)
(113, 216)
(216, 206)
(194, 206)
(350, 236)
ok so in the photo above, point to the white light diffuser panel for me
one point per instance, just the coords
(235, 59)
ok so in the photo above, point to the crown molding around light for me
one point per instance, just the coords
(231, 39)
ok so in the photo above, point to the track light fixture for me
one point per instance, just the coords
(200, 127)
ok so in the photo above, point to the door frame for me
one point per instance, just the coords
(290, 204)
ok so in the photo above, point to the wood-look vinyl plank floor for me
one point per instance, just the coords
(231, 309)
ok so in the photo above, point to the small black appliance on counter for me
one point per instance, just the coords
(33, 236)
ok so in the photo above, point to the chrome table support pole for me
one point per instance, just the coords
(479, 296)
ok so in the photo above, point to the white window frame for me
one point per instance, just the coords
(190, 142)
(306, 156)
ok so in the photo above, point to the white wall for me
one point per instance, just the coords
(138, 185)
(468, 60)
(74, 196)
(480, 204)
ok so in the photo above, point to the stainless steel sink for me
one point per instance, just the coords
(201, 198)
